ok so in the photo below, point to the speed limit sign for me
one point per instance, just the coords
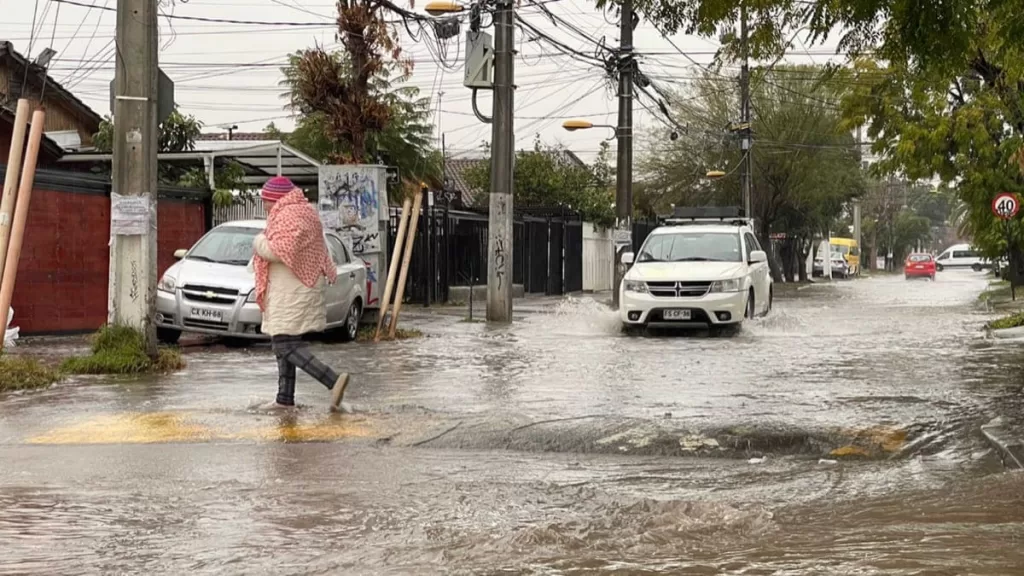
(1005, 206)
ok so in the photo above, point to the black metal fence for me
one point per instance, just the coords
(450, 249)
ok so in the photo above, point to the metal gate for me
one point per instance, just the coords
(573, 251)
(536, 255)
(556, 240)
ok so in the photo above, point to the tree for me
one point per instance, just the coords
(552, 176)
(406, 141)
(805, 165)
(178, 133)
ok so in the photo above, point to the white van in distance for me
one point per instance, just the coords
(959, 256)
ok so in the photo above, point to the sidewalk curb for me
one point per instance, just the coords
(1010, 447)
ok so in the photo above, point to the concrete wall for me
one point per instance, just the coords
(62, 273)
(598, 259)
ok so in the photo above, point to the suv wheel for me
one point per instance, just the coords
(976, 267)
(751, 306)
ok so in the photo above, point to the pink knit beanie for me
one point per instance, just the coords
(276, 188)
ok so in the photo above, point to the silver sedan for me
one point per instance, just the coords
(212, 291)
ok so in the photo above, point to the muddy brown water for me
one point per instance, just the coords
(839, 436)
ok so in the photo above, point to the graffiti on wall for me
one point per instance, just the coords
(353, 202)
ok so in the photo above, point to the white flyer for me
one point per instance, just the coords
(130, 215)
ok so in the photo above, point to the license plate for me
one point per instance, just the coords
(676, 315)
(919, 267)
(207, 314)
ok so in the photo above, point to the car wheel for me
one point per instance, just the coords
(350, 329)
(939, 268)
(168, 336)
(976, 267)
(751, 306)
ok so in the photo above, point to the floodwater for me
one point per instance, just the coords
(838, 436)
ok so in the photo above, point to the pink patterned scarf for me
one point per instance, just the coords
(296, 236)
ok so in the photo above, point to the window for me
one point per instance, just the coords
(855, 251)
(338, 252)
(692, 247)
(751, 242)
(840, 249)
(964, 254)
(920, 258)
(944, 256)
(225, 245)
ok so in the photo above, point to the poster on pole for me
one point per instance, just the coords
(130, 215)
(353, 202)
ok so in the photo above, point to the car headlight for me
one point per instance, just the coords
(251, 299)
(166, 284)
(730, 285)
(635, 286)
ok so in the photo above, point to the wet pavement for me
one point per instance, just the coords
(841, 435)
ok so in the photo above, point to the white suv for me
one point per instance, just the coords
(696, 273)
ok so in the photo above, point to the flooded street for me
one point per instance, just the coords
(840, 435)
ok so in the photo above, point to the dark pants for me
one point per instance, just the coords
(292, 352)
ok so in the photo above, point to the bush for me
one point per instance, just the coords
(20, 373)
(122, 350)
(1012, 321)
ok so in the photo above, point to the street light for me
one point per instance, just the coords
(574, 125)
(442, 7)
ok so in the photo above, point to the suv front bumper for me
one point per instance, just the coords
(713, 309)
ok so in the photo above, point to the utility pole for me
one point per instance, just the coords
(745, 112)
(133, 260)
(624, 134)
(499, 245)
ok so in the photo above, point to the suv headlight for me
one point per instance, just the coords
(730, 285)
(635, 286)
(251, 299)
(166, 284)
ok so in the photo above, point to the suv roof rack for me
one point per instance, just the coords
(683, 215)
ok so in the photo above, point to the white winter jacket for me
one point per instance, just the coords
(291, 308)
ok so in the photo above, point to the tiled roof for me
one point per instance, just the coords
(456, 170)
(249, 136)
(76, 104)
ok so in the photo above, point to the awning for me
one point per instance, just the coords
(261, 160)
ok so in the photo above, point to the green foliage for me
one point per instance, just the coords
(552, 176)
(1011, 321)
(403, 137)
(229, 179)
(805, 166)
(177, 134)
(22, 373)
(122, 350)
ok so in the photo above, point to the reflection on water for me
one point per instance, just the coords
(558, 445)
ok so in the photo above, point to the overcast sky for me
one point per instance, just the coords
(228, 73)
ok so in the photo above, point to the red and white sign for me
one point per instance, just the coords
(1005, 206)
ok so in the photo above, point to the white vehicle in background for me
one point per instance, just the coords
(210, 290)
(703, 268)
(960, 256)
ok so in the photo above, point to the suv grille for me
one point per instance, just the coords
(678, 289)
(211, 294)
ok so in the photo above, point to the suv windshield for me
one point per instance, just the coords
(692, 247)
(225, 246)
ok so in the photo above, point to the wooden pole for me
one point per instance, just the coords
(11, 183)
(28, 176)
(396, 256)
(400, 292)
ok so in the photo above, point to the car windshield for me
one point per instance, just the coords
(692, 247)
(225, 245)
(921, 258)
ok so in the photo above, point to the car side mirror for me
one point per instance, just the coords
(179, 254)
(627, 258)
(758, 256)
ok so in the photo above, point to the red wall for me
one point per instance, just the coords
(62, 274)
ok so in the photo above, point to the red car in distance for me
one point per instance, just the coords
(919, 266)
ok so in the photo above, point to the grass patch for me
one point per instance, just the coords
(366, 334)
(122, 350)
(20, 373)
(999, 290)
(1011, 321)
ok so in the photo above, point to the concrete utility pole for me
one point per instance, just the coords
(745, 112)
(624, 133)
(499, 245)
(856, 233)
(133, 259)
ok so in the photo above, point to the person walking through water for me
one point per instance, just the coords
(292, 266)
